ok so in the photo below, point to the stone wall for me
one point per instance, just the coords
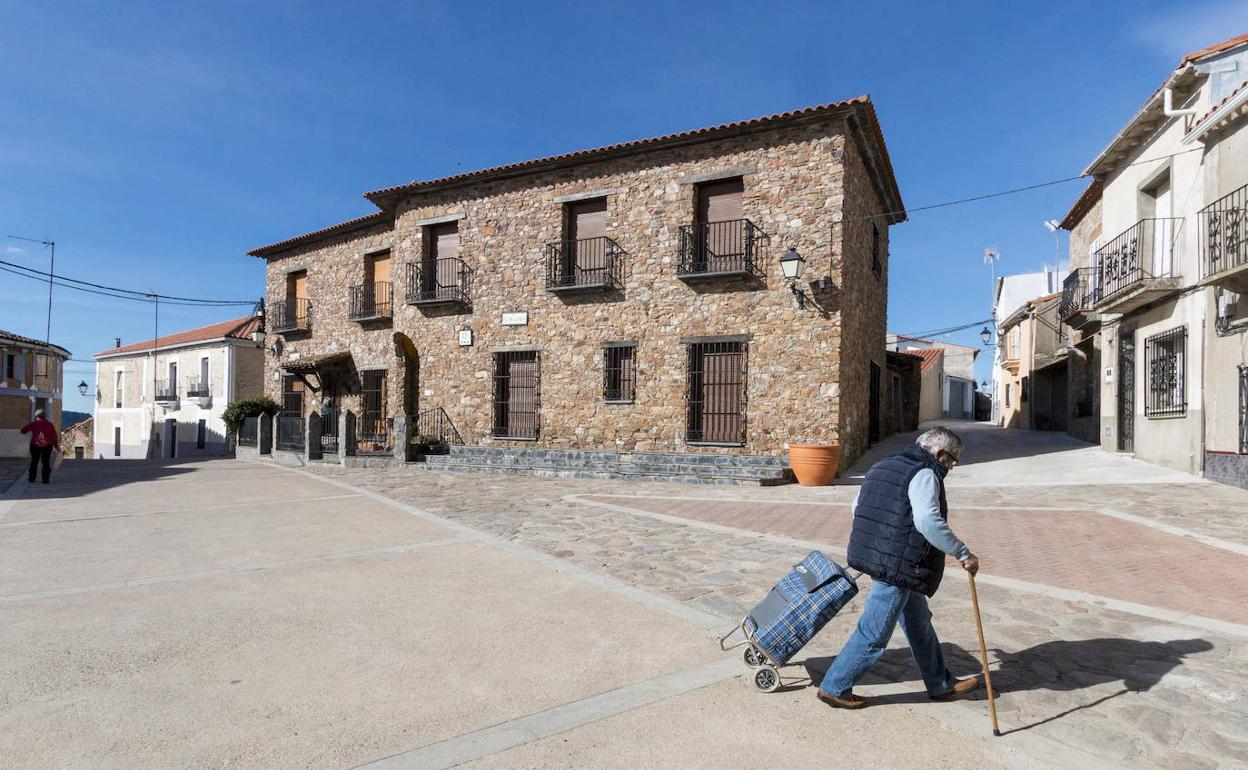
(808, 369)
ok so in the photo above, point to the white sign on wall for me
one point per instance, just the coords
(465, 338)
(520, 318)
(1109, 374)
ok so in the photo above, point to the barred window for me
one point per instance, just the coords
(1166, 357)
(1243, 410)
(716, 397)
(516, 394)
(619, 378)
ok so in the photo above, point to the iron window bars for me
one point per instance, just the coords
(1166, 357)
(716, 393)
(720, 248)
(373, 428)
(1243, 409)
(1224, 233)
(441, 281)
(587, 263)
(1144, 250)
(517, 395)
(370, 301)
(619, 374)
(293, 314)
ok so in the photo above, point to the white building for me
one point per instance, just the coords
(164, 398)
(1164, 275)
(1012, 294)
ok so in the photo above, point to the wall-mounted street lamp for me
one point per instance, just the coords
(82, 388)
(791, 268)
(985, 335)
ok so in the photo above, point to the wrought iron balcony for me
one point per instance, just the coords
(293, 314)
(445, 281)
(370, 301)
(720, 249)
(166, 391)
(1079, 295)
(198, 388)
(1223, 240)
(1137, 266)
(584, 264)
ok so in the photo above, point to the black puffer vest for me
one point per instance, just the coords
(884, 543)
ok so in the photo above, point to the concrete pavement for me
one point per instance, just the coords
(220, 613)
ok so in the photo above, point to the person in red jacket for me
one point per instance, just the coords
(43, 439)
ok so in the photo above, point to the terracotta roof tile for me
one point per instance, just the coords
(30, 341)
(929, 355)
(238, 328)
(1215, 48)
(324, 232)
(1086, 200)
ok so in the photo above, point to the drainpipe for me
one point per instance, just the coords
(1168, 106)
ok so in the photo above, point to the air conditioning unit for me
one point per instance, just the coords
(1228, 305)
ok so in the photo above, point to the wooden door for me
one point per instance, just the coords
(720, 234)
(586, 252)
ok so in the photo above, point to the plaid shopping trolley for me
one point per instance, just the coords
(794, 611)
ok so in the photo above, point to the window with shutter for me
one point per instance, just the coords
(585, 244)
(441, 273)
(516, 394)
(716, 394)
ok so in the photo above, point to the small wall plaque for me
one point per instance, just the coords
(465, 338)
(1109, 374)
(516, 319)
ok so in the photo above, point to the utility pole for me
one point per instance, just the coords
(51, 244)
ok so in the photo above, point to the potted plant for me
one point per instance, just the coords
(815, 465)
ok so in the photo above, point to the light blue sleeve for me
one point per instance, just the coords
(924, 494)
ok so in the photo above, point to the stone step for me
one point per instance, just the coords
(579, 473)
(623, 468)
(663, 458)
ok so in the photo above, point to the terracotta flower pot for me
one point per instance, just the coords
(815, 465)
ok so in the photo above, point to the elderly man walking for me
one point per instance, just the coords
(900, 537)
(43, 439)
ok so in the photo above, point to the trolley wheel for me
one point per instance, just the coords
(767, 679)
(753, 657)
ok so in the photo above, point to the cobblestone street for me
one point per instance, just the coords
(1112, 630)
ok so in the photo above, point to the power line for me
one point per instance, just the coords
(950, 330)
(112, 291)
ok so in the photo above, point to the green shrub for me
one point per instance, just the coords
(239, 410)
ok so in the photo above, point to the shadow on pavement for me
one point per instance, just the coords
(1058, 666)
(78, 477)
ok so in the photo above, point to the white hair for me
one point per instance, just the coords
(941, 439)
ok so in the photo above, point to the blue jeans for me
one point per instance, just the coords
(886, 604)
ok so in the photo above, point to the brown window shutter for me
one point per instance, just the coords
(443, 247)
(297, 285)
(721, 201)
(587, 219)
(380, 264)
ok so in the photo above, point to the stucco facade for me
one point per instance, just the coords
(165, 400)
(816, 181)
(31, 377)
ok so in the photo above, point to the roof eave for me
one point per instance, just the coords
(1101, 164)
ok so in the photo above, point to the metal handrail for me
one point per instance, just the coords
(436, 424)
(583, 263)
(166, 390)
(729, 247)
(1146, 249)
(1224, 233)
(446, 279)
(198, 388)
(370, 300)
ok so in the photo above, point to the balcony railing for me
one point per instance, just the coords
(1147, 249)
(1079, 292)
(713, 249)
(587, 263)
(290, 432)
(445, 281)
(293, 314)
(166, 390)
(198, 388)
(1224, 233)
(370, 301)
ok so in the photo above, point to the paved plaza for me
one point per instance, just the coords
(226, 613)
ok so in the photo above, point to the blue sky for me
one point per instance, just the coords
(157, 142)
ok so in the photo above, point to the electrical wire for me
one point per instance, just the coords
(950, 330)
(147, 296)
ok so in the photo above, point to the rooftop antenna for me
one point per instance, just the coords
(51, 244)
(992, 255)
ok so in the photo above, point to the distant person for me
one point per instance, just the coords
(43, 438)
(900, 537)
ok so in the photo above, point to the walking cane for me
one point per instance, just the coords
(983, 653)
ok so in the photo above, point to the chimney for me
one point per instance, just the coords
(116, 342)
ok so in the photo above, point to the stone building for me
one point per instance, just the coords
(1083, 370)
(31, 376)
(78, 440)
(948, 376)
(1161, 268)
(626, 299)
(164, 398)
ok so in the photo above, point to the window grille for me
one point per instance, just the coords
(1166, 354)
(517, 375)
(373, 429)
(619, 373)
(716, 396)
(1243, 410)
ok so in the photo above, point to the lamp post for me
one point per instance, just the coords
(82, 388)
(791, 268)
(985, 335)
